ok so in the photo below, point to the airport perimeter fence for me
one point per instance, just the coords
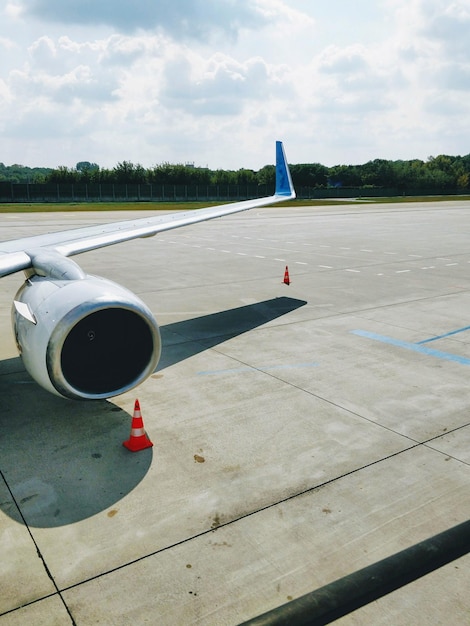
(127, 192)
(152, 192)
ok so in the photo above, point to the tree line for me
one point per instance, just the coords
(441, 172)
(22, 174)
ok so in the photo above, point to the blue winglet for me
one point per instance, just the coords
(284, 186)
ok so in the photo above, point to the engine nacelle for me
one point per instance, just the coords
(84, 339)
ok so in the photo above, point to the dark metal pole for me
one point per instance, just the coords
(366, 585)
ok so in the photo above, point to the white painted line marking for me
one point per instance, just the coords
(227, 251)
(450, 264)
(283, 260)
(258, 256)
(366, 250)
(428, 267)
(342, 248)
(300, 263)
(440, 258)
(416, 256)
(327, 267)
(355, 271)
(402, 271)
(242, 254)
(390, 252)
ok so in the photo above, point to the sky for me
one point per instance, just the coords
(217, 82)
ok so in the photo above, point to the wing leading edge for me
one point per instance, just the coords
(18, 255)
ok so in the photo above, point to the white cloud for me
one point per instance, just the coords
(7, 44)
(5, 93)
(219, 85)
(217, 81)
(12, 10)
(60, 72)
(336, 60)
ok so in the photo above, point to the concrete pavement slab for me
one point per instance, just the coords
(256, 563)
(48, 612)
(23, 576)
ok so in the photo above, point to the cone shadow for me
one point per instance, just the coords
(62, 461)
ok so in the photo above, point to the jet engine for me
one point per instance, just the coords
(85, 339)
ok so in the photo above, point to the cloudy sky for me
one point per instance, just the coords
(216, 82)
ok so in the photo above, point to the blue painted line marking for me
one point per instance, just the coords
(269, 368)
(414, 347)
(452, 332)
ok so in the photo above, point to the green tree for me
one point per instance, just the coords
(63, 174)
(127, 172)
(266, 175)
(309, 175)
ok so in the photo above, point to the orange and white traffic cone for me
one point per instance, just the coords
(286, 276)
(138, 439)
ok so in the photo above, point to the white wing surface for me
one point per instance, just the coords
(17, 255)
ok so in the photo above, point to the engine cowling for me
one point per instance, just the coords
(84, 339)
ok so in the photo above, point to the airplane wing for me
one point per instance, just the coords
(85, 337)
(17, 255)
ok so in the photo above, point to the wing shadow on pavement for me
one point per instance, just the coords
(184, 339)
(62, 461)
